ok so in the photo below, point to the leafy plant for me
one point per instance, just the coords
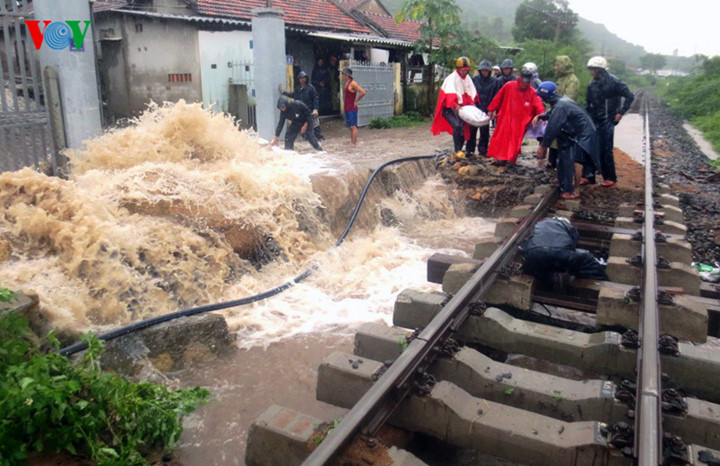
(7, 296)
(397, 121)
(48, 404)
(323, 430)
(557, 395)
(509, 391)
(403, 343)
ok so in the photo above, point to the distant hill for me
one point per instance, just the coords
(481, 15)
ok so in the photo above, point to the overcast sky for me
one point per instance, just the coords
(690, 26)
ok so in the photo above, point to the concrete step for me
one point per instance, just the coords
(282, 436)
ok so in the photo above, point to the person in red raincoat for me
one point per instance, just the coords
(515, 105)
(457, 90)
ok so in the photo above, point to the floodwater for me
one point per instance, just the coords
(170, 213)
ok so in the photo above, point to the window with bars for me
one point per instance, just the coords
(180, 77)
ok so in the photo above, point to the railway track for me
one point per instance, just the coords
(644, 386)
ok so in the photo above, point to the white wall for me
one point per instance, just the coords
(220, 48)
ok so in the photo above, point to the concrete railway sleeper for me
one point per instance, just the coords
(426, 382)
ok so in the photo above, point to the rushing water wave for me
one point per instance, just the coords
(183, 209)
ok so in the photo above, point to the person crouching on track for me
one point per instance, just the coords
(457, 90)
(300, 120)
(551, 253)
(576, 138)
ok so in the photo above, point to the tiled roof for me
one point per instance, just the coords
(106, 5)
(314, 14)
(349, 4)
(407, 30)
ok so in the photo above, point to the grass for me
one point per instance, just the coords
(408, 119)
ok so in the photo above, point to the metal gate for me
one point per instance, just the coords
(377, 80)
(24, 126)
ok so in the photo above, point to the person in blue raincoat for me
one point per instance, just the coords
(576, 136)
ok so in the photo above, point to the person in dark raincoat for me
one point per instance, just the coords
(551, 252)
(506, 73)
(321, 81)
(604, 95)
(486, 87)
(306, 93)
(576, 138)
(300, 118)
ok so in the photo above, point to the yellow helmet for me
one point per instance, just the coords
(462, 62)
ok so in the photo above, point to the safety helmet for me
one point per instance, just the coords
(347, 71)
(547, 90)
(496, 68)
(484, 65)
(529, 67)
(597, 62)
(282, 102)
(563, 219)
(302, 74)
(507, 63)
(463, 62)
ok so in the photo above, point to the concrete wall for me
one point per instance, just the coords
(148, 56)
(217, 49)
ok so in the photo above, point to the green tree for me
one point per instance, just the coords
(440, 27)
(551, 20)
(652, 61)
(711, 66)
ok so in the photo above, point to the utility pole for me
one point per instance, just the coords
(75, 70)
(268, 29)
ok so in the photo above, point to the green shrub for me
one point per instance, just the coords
(710, 127)
(48, 404)
(397, 121)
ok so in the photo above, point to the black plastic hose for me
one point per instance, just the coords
(147, 323)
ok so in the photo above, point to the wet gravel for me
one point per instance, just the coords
(679, 163)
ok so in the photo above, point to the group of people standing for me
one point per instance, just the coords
(304, 111)
(580, 141)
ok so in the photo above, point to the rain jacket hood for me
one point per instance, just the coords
(564, 65)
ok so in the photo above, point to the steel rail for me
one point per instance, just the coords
(379, 402)
(648, 424)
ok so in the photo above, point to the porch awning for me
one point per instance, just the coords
(360, 38)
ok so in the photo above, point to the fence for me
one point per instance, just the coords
(24, 126)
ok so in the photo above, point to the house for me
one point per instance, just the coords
(202, 50)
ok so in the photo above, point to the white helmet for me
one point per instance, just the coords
(529, 67)
(597, 62)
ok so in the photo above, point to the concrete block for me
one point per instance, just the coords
(680, 275)
(572, 205)
(456, 276)
(613, 309)
(627, 223)
(622, 245)
(701, 424)
(344, 378)
(687, 319)
(486, 247)
(452, 415)
(549, 395)
(620, 271)
(438, 264)
(517, 292)
(674, 250)
(673, 214)
(669, 200)
(662, 188)
(520, 211)
(696, 369)
(404, 458)
(533, 199)
(413, 306)
(670, 227)
(598, 352)
(505, 226)
(379, 342)
(280, 436)
(542, 189)
(627, 210)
